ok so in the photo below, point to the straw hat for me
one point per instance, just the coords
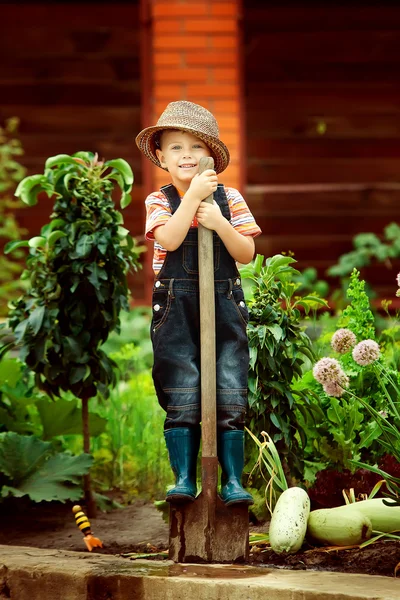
(186, 116)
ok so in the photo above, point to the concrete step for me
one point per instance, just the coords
(35, 574)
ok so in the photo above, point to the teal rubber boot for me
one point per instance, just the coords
(231, 458)
(183, 447)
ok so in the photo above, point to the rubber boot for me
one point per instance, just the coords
(231, 458)
(183, 446)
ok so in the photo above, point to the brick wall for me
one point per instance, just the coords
(195, 56)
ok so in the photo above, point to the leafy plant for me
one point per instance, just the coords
(367, 248)
(77, 270)
(278, 349)
(31, 467)
(338, 431)
(11, 173)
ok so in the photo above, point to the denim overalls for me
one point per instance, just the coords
(175, 331)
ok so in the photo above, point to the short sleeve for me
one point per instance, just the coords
(158, 212)
(241, 218)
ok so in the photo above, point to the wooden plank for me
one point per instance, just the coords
(321, 148)
(77, 14)
(312, 225)
(342, 126)
(318, 100)
(317, 71)
(322, 17)
(69, 70)
(45, 40)
(120, 93)
(109, 146)
(370, 201)
(324, 46)
(98, 119)
(265, 171)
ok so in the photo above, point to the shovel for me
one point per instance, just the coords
(206, 530)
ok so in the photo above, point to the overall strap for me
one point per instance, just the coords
(172, 195)
(222, 201)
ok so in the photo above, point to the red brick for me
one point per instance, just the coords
(169, 92)
(169, 9)
(228, 122)
(170, 59)
(213, 91)
(225, 9)
(224, 41)
(180, 42)
(174, 26)
(225, 74)
(210, 25)
(227, 106)
(210, 57)
(161, 74)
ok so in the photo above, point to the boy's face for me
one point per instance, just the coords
(180, 153)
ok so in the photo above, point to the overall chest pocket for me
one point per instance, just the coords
(161, 308)
(191, 257)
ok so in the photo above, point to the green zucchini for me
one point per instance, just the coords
(338, 526)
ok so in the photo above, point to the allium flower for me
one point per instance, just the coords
(337, 388)
(366, 352)
(327, 370)
(343, 340)
(398, 280)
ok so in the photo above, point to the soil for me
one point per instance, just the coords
(140, 528)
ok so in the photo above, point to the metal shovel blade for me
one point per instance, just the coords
(206, 530)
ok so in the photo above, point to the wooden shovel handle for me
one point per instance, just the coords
(207, 333)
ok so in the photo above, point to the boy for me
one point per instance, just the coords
(184, 133)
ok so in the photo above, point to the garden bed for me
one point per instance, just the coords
(141, 528)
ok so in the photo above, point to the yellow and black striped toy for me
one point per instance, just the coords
(84, 525)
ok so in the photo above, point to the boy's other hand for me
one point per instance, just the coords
(209, 215)
(204, 184)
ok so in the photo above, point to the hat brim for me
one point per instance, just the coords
(146, 144)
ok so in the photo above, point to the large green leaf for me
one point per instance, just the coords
(53, 480)
(10, 372)
(60, 159)
(30, 187)
(120, 165)
(10, 246)
(64, 417)
(20, 455)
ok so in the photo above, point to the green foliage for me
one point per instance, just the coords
(77, 272)
(64, 417)
(309, 283)
(367, 248)
(340, 431)
(131, 454)
(31, 467)
(358, 316)
(11, 172)
(278, 349)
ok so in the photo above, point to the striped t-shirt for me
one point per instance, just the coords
(158, 211)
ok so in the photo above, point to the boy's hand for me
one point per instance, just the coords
(209, 215)
(204, 184)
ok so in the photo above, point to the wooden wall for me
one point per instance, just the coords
(322, 89)
(71, 73)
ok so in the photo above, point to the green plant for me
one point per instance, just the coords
(131, 454)
(32, 467)
(77, 270)
(367, 248)
(11, 173)
(278, 349)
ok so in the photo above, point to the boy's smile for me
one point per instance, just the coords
(180, 153)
